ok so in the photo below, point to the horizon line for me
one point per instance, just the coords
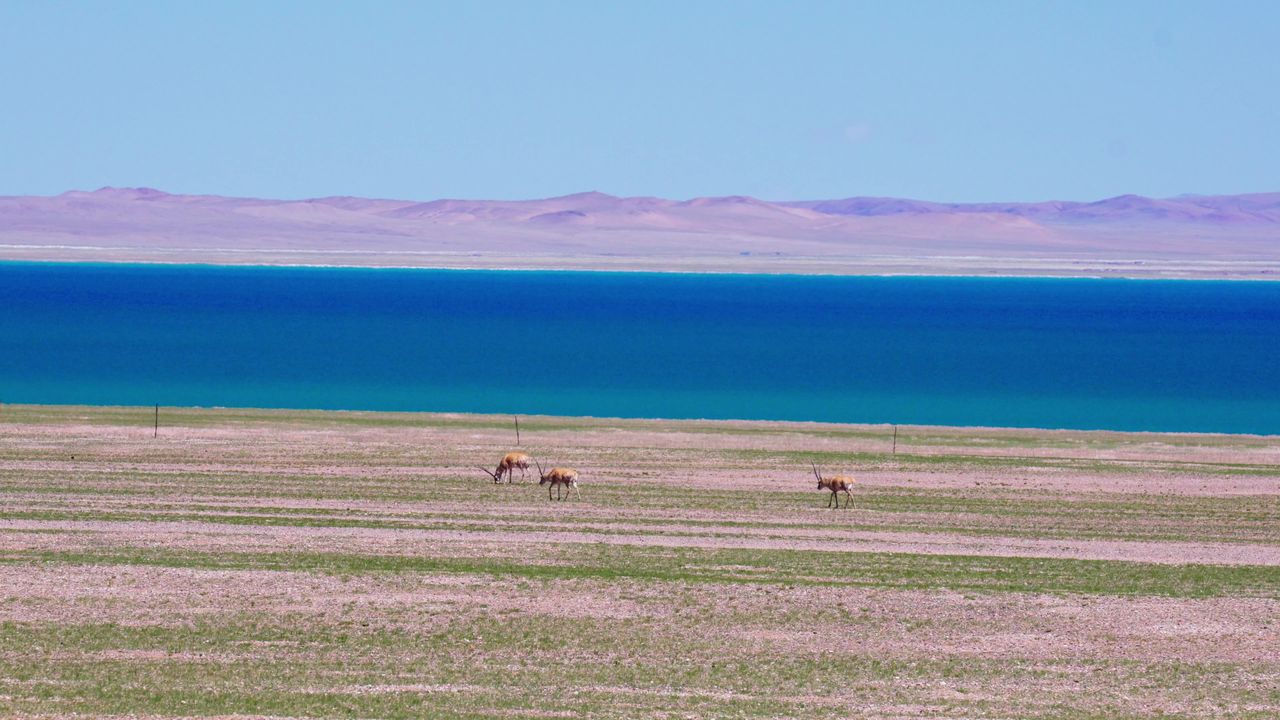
(144, 190)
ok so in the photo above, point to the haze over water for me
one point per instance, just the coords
(1115, 354)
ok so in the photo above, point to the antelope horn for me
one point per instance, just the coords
(486, 472)
(535, 462)
(815, 470)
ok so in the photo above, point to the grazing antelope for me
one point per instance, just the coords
(557, 477)
(836, 484)
(508, 464)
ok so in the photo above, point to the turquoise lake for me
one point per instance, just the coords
(1056, 353)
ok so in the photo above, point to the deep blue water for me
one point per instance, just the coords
(1134, 355)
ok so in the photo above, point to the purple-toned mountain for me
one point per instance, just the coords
(594, 229)
(1257, 208)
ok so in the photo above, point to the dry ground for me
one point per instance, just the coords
(307, 564)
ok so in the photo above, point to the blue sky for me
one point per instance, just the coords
(959, 101)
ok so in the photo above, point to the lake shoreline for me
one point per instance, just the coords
(867, 266)
(147, 413)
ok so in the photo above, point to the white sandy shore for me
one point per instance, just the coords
(865, 265)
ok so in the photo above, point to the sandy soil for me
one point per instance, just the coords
(68, 536)
(908, 624)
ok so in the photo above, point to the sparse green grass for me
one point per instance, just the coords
(764, 567)
(998, 512)
(1228, 520)
(99, 618)
(910, 462)
(487, 664)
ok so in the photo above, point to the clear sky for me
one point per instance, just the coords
(956, 101)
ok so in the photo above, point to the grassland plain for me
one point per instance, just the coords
(332, 564)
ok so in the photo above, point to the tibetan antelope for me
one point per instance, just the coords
(508, 465)
(557, 477)
(836, 484)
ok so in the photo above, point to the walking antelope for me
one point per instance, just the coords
(836, 484)
(508, 464)
(557, 477)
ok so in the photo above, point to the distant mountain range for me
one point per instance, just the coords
(1257, 208)
(143, 223)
